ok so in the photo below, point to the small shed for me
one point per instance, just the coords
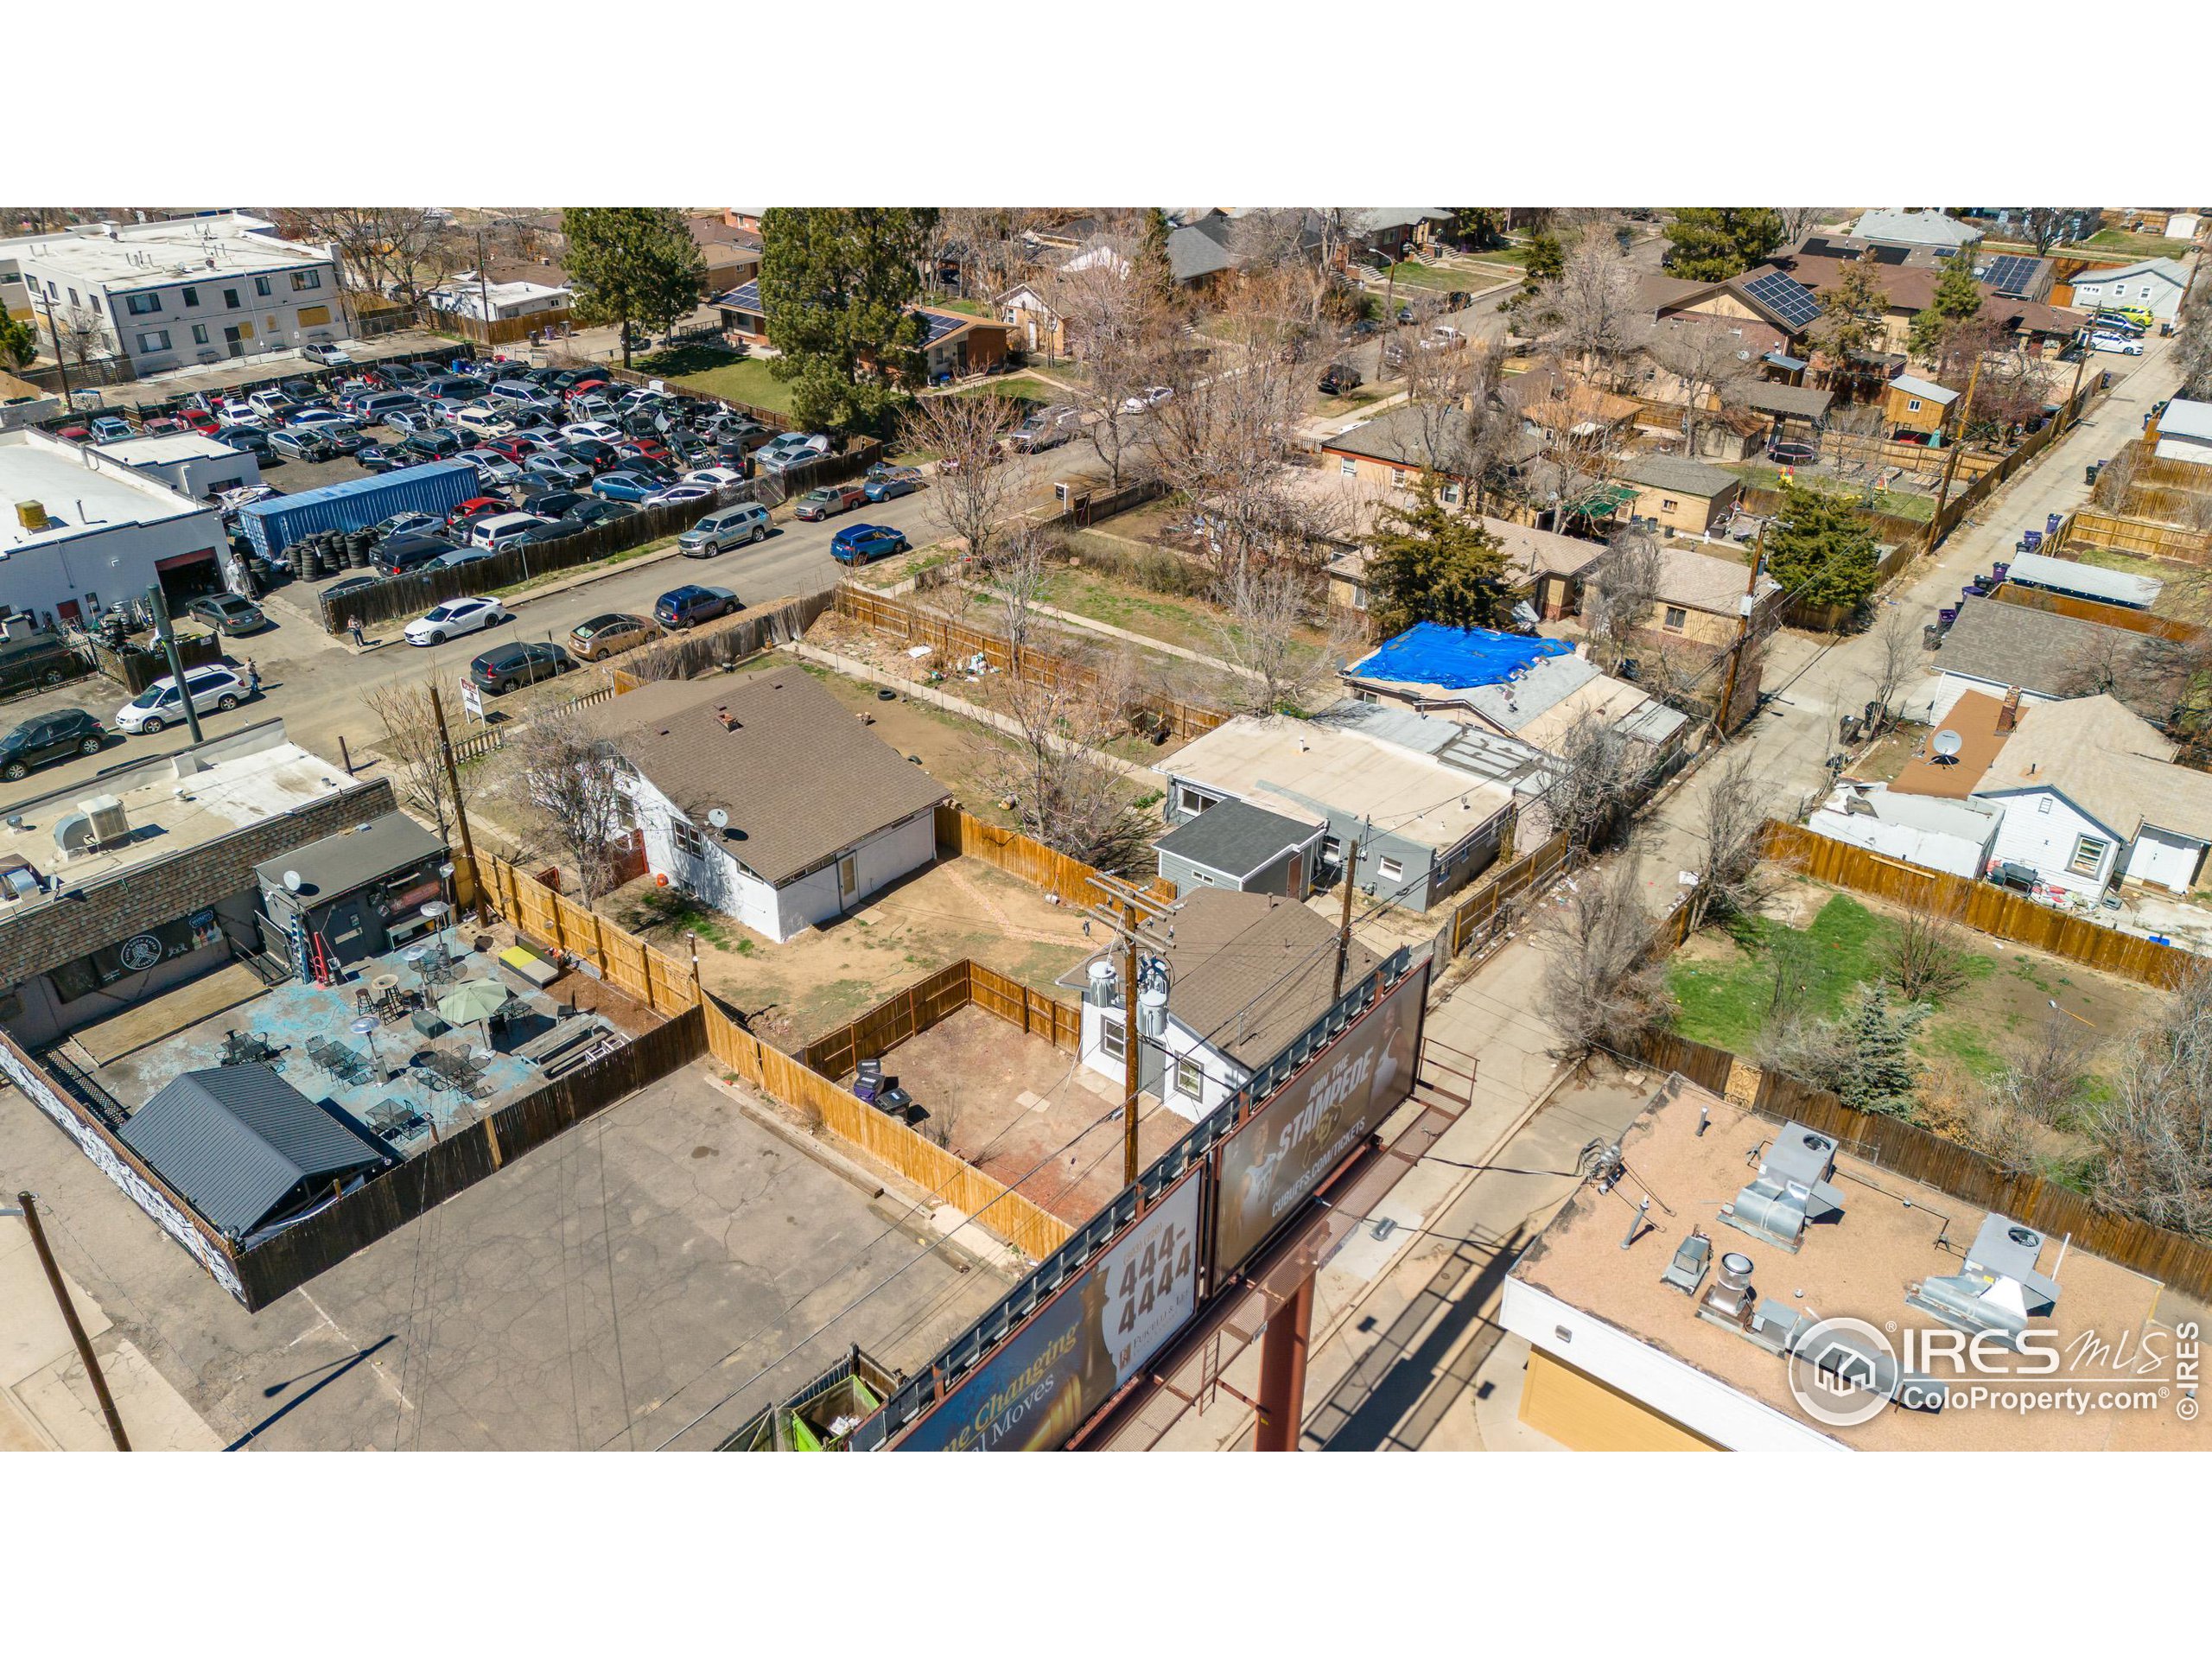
(246, 1149)
(2084, 581)
(357, 894)
(1912, 404)
(1247, 848)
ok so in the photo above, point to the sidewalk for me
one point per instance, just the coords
(47, 1402)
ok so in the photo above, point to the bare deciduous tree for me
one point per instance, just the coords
(411, 746)
(1731, 819)
(1458, 427)
(1596, 318)
(1617, 596)
(569, 772)
(1270, 614)
(1605, 989)
(406, 250)
(1712, 362)
(1598, 776)
(1926, 956)
(2156, 1132)
(1798, 223)
(1121, 330)
(975, 490)
(1896, 660)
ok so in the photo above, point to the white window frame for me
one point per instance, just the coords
(1112, 1036)
(1190, 1078)
(1912, 405)
(1347, 468)
(303, 281)
(687, 841)
(138, 305)
(2096, 861)
(153, 341)
(1389, 869)
(1190, 798)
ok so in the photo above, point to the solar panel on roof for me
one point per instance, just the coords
(2011, 273)
(1787, 298)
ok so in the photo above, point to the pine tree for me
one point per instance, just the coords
(1957, 300)
(1429, 562)
(1710, 245)
(1884, 1076)
(631, 266)
(18, 340)
(1851, 316)
(838, 286)
(1820, 549)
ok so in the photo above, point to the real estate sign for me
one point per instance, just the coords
(1272, 1164)
(1077, 1350)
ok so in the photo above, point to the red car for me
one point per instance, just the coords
(515, 449)
(161, 426)
(643, 449)
(200, 420)
(476, 506)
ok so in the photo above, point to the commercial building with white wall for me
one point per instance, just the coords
(81, 532)
(187, 463)
(765, 800)
(174, 292)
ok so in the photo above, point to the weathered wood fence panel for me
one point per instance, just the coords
(2144, 538)
(2174, 1258)
(2090, 610)
(1978, 905)
(1476, 915)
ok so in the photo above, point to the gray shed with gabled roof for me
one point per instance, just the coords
(244, 1148)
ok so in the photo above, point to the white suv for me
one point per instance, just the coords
(159, 706)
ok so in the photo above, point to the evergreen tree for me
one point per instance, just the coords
(1430, 563)
(1957, 300)
(1710, 245)
(18, 340)
(631, 266)
(1884, 1076)
(1852, 314)
(1478, 227)
(838, 286)
(1820, 549)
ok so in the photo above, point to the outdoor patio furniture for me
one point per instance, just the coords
(247, 1048)
(396, 1119)
(427, 1022)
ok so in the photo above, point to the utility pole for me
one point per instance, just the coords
(160, 606)
(460, 812)
(1133, 914)
(1743, 634)
(1958, 442)
(29, 1213)
(1343, 922)
(61, 358)
(483, 287)
(2080, 364)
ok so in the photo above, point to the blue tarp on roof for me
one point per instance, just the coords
(1429, 653)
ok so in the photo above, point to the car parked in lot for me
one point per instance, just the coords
(596, 431)
(379, 458)
(890, 484)
(160, 705)
(565, 470)
(727, 527)
(53, 735)
(331, 357)
(714, 478)
(790, 450)
(251, 439)
(405, 524)
(2123, 344)
(404, 554)
(476, 506)
(598, 512)
(1150, 398)
(298, 444)
(611, 632)
(227, 613)
(688, 606)
(525, 662)
(680, 495)
(413, 420)
(44, 658)
(498, 531)
(452, 619)
(551, 502)
(431, 446)
(318, 415)
(829, 500)
(469, 554)
(111, 428)
(1338, 378)
(864, 543)
(492, 469)
(623, 487)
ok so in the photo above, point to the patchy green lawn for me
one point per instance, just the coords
(966, 307)
(1022, 388)
(723, 373)
(2137, 245)
(1894, 504)
(1189, 623)
(1725, 998)
(1411, 273)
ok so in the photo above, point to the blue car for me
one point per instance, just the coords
(891, 482)
(685, 607)
(623, 487)
(863, 543)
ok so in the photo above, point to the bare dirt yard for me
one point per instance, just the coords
(795, 992)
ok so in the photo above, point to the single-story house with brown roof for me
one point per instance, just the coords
(766, 800)
(1700, 597)
(1681, 494)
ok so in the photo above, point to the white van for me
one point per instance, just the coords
(725, 527)
(496, 533)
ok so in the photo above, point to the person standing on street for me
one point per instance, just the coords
(354, 627)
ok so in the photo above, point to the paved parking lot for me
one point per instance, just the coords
(582, 1298)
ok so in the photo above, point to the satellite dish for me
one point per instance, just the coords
(1947, 743)
(719, 818)
(291, 880)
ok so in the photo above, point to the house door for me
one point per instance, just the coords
(1295, 888)
(235, 340)
(848, 875)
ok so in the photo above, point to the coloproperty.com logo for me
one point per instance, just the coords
(1844, 1372)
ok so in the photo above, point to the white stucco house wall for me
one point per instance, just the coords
(2156, 285)
(816, 813)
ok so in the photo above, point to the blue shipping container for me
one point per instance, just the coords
(436, 488)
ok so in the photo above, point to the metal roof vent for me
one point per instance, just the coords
(1732, 1296)
(2000, 1289)
(1686, 1271)
(1790, 1189)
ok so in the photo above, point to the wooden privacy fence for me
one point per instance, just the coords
(2147, 468)
(1033, 1231)
(1861, 449)
(1978, 904)
(1478, 916)
(955, 642)
(944, 994)
(2090, 610)
(1995, 478)
(488, 738)
(644, 972)
(2173, 1258)
(292, 1257)
(2146, 537)
(962, 834)
(722, 645)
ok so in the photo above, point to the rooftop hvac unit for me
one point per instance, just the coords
(18, 880)
(110, 823)
(1790, 1189)
(2000, 1289)
(73, 833)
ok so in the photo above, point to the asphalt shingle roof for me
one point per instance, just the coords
(1235, 838)
(2106, 760)
(1676, 473)
(2015, 645)
(1249, 971)
(235, 1141)
(799, 776)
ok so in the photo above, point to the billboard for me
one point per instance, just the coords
(1074, 1352)
(1270, 1167)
